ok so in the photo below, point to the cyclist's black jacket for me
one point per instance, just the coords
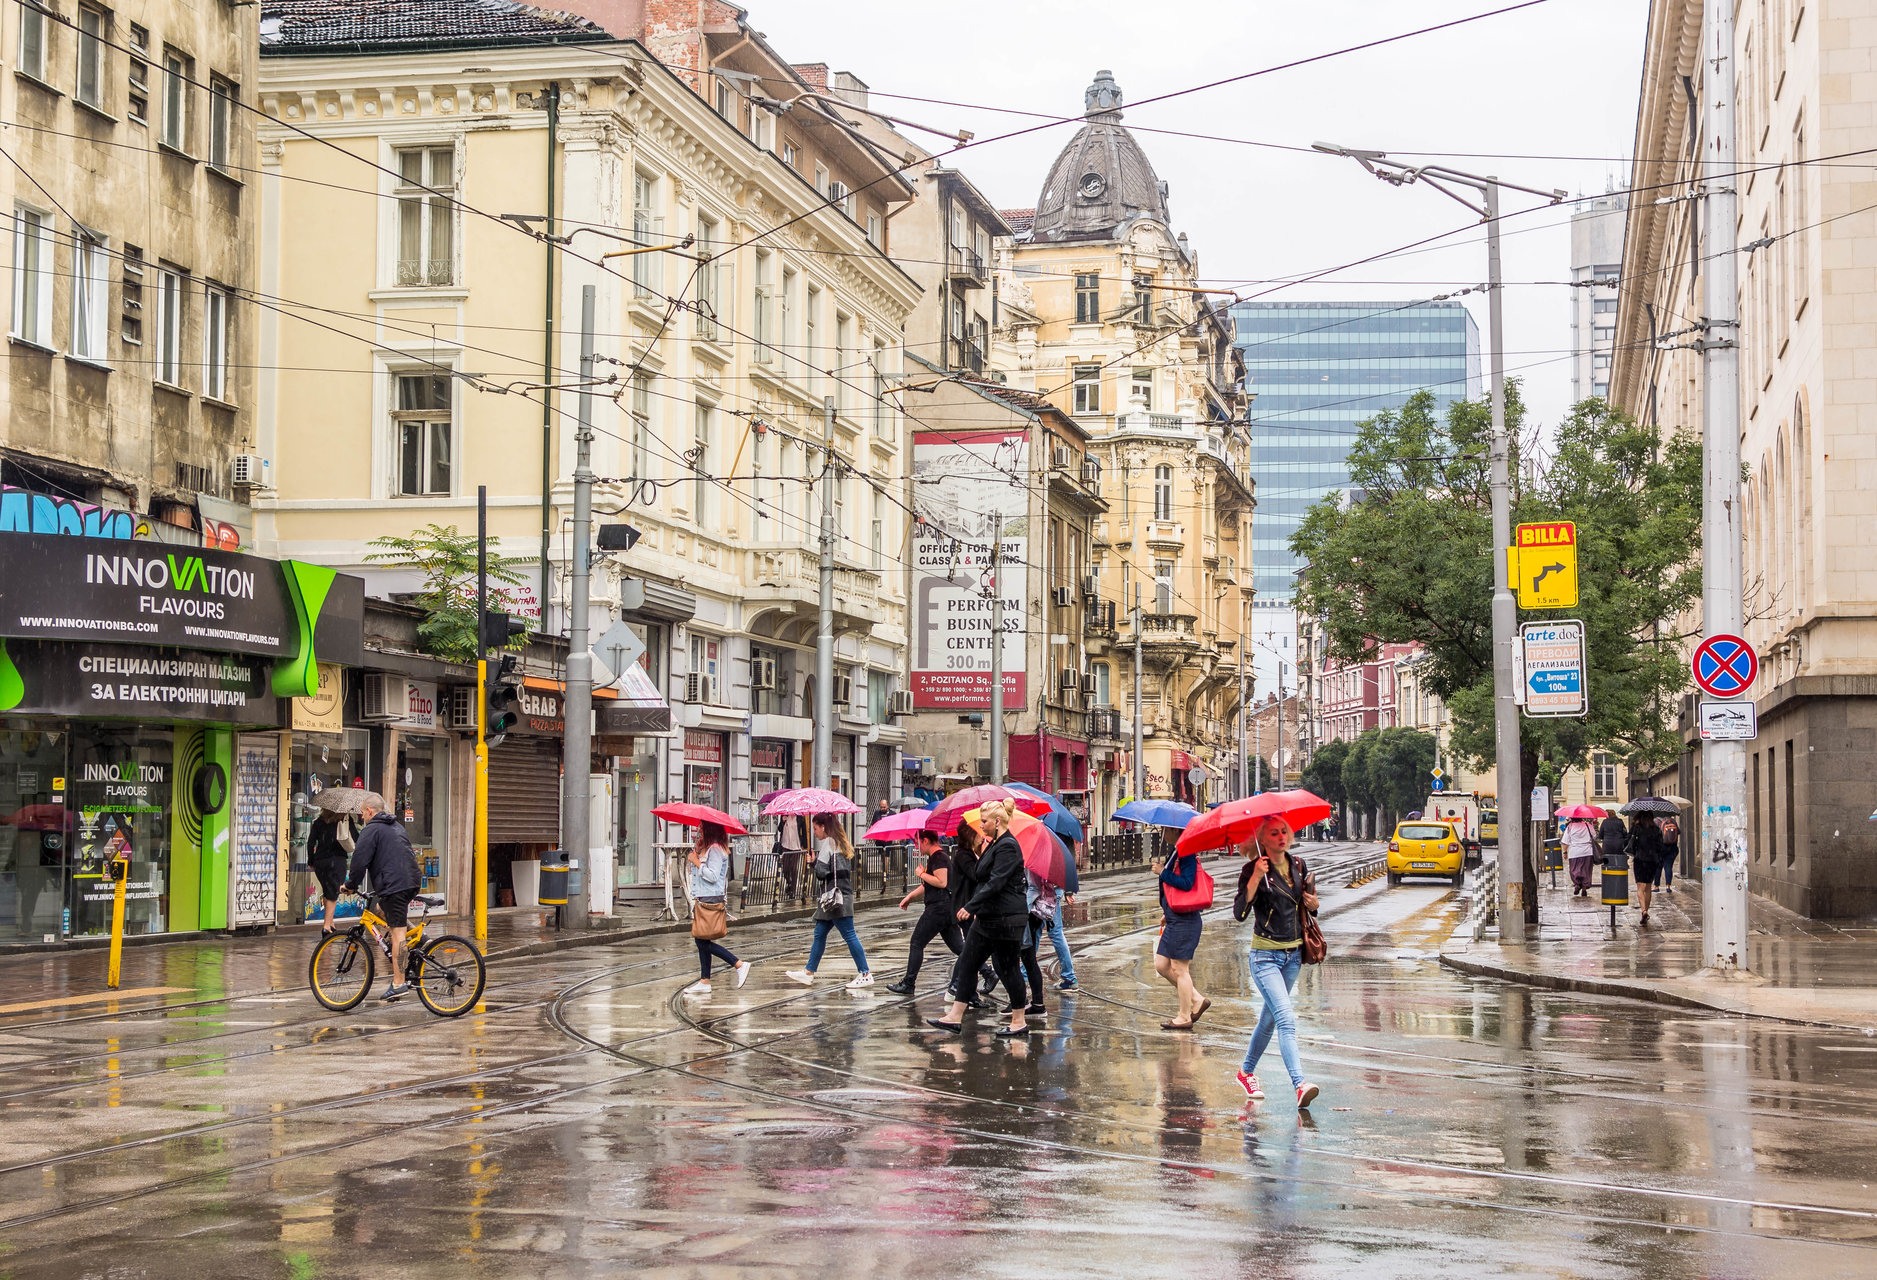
(384, 849)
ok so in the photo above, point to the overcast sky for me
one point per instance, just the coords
(1545, 96)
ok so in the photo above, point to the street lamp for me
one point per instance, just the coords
(1504, 609)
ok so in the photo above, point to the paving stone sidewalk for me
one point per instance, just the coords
(1800, 970)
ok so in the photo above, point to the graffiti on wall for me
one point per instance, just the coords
(23, 511)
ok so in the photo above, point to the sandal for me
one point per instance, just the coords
(1176, 1026)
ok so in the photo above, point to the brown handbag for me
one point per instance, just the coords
(1314, 949)
(709, 920)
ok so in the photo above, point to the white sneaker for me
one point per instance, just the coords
(802, 976)
(742, 972)
(698, 988)
(864, 980)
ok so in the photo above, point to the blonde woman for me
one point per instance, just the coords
(1275, 889)
(834, 901)
(999, 914)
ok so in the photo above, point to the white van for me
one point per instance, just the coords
(1462, 810)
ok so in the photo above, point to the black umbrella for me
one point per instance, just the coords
(1649, 804)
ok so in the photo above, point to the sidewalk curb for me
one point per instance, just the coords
(1626, 991)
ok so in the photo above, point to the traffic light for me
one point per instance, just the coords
(503, 699)
(499, 630)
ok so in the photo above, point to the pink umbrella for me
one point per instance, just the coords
(808, 801)
(944, 818)
(1581, 812)
(899, 826)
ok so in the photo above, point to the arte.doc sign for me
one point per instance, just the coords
(1551, 676)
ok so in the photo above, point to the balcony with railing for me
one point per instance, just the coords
(967, 355)
(965, 267)
(1168, 637)
(789, 575)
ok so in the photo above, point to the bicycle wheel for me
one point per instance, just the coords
(341, 971)
(450, 976)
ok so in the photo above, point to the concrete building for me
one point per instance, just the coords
(1316, 371)
(440, 352)
(1808, 412)
(1596, 269)
(1108, 322)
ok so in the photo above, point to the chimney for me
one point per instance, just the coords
(673, 30)
(851, 88)
(815, 73)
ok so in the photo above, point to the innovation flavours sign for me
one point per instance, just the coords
(973, 495)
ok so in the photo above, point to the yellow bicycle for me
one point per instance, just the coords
(447, 971)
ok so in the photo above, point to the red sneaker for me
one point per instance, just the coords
(1249, 1083)
(1306, 1094)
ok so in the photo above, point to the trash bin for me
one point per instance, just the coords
(555, 873)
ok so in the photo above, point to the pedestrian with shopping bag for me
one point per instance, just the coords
(1185, 893)
(834, 901)
(710, 911)
(1278, 892)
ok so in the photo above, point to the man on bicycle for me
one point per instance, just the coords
(384, 850)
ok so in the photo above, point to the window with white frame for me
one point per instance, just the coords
(32, 276)
(1602, 774)
(648, 228)
(426, 213)
(171, 297)
(91, 296)
(130, 328)
(789, 156)
(223, 95)
(1163, 586)
(843, 376)
(759, 473)
(641, 425)
(1101, 684)
(811, 352)
(216, 305)
(762, 318)
(1087, 385)
(88, 85)
(1163, 493)
(879, 543)
(33, 37)
(179, 73)
(874, 229)
(1142, 387)
(712, 276)
(879, 388)
(422, 418)
(700, 464)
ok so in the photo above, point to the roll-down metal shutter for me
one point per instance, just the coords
(524, 791)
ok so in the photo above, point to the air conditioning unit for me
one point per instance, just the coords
(699, 687)
(381, 697)
(1062, 596)
(460, 710)
(1091, 586)
(1069, 678)
(247, 471)
(899, 703)
(1062, 457)
(1088, 682)
(762, 673)
(1091, 472)
(982, 766)
(844, 691)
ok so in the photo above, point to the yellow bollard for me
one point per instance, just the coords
(120, 872)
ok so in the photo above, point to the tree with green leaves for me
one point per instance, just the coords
(1323, 776)
(1411, 560)
(1399, 762)
(446, 560)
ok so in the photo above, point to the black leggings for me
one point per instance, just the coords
(1005, 955)
(706, 949)
(933, 924)
(1032, 969)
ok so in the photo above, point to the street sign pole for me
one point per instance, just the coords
(1723, 834)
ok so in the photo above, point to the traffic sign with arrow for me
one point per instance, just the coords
(1543, 565)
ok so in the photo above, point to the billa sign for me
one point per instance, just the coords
(1544, 565)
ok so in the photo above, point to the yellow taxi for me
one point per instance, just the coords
(1422, 848)
(1489, 827)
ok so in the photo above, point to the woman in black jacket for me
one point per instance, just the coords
(1645, 848)
(999, 914)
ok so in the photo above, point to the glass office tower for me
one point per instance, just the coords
(1318, 369)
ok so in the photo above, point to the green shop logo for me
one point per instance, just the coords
(154, 573)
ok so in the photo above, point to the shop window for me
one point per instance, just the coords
(121, 784)
(33, 840)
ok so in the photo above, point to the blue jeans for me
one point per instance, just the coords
(1061, 944)
(846, 925)
(1274, 973)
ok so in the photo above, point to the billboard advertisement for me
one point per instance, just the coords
(970, 493)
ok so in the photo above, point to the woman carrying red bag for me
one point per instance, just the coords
(1185, 893)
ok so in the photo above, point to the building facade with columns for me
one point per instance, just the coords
(1109, 323)
(442, 181)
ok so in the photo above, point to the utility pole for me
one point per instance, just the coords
(1282, 780)
(1515, 873)
(1244, 664)
(824, 634)
(1140, 737)
(577, 709)
(997, 646)
(479, 890)
(1723, 835)
(1258, 746)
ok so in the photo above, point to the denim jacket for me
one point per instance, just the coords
(712, 879)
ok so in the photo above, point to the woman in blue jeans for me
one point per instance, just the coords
(834, 901)
(1275, 889)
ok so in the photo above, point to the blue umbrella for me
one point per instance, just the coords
(1058, 819)
(1157, 813)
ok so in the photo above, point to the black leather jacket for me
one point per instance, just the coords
(999, 882)
(1276, 909)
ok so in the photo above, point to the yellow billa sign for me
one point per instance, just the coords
(1543, 565)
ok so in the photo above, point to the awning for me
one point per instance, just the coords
(639, 708)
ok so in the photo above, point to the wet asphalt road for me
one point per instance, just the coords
(590, 1119)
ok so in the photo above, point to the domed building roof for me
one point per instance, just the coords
(1101, 180)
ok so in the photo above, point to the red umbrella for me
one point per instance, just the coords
(1581, 812)
(944, 818)
(1236, 821)
(696, 815)
(1043, 851)
(898, 826)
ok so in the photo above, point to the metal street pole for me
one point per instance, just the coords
(1257, 730)
(824, 634)
(1723, 835)
(479, 890)
(577, 713)
(1140, 754)
(1244, 663)
(997, 647)
(1282, 780)
(1512, 854)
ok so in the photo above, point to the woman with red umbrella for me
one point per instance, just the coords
(1275, 889)
(710, 889)
(1580, 844)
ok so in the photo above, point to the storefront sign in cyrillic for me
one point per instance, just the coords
(703, 747)
(140, 682)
